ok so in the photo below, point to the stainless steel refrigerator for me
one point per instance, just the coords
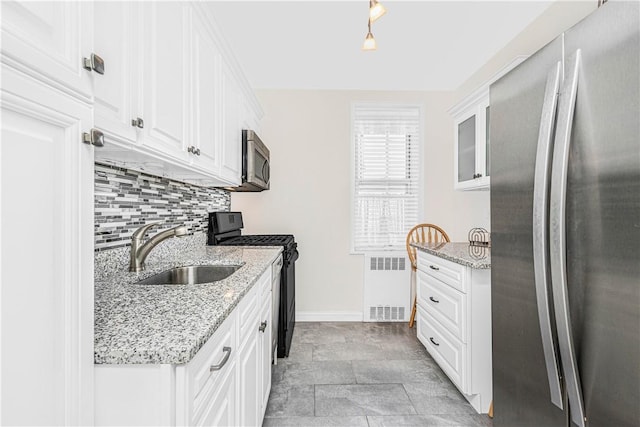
(565, 218)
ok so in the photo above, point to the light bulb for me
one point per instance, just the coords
(376, 10)
(369, 42)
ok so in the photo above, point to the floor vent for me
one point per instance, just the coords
(386, 313)
(387, 263)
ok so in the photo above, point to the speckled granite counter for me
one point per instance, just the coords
(137, 324)
(461, 253)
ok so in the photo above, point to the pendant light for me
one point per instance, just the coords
(369, 41)
(376, 10)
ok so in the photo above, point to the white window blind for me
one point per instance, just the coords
(386, 182)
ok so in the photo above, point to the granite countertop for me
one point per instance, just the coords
(459, 252)
(155, 324)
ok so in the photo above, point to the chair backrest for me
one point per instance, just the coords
(424, 233)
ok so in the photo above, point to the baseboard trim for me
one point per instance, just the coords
(329, 316)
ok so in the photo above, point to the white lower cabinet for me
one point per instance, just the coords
(248, 379)
(46, 252)
(266, 353)
(225, 383)
(454, 324)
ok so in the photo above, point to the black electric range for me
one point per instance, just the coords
(225, 229)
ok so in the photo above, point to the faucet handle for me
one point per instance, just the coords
(140, 232)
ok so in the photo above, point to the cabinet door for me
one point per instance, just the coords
(222, 409)
(115, 39)
(466, 144)
(46, 257)
(265, 355)
(231, 168)
(206, 94)
(163, 70)
(248, 386)
(487, 139)
(48, 40)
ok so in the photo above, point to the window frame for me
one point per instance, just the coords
(352, 167)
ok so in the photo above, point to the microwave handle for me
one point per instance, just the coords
(266, 169)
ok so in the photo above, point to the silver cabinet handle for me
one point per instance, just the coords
(540, 227)
(263, 326)
(93, 137)
(224, 360)
(192, 149)
(434, 300)
(137, 122)
(433, 267)
(557, 237)
(434, 343)
(93, 63)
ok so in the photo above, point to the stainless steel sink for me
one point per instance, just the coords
(191, 275)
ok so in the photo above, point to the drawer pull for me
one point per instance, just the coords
(433, 267)
(224, 360)
(434, 300)
(434, 343)
(263, 326)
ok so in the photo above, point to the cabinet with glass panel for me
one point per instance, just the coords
(472, 163)
(472, 142)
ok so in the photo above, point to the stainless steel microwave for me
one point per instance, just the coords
(255, 163)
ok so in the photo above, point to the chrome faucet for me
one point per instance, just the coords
(139, 251)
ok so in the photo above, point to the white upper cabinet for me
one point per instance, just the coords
(49, 41)
(206, 94)
(472, 142)
(164, 62)
(173, 101)
(231, 127)
(115, 39)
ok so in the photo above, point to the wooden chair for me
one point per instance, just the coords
(422, 233)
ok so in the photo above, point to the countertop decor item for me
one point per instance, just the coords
(479, 237)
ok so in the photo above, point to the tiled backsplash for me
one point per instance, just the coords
(126, 199)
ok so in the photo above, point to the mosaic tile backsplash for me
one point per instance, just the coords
(126, 200)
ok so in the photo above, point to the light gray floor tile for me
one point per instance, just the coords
(319, 336)
(428, 401)
(349, 351)
(393, 371)
(290, 400)
(429, 421)
(316, 422)
(300, 352)
(349, 400)
(328, 358)
(420, 390)
(321, 372)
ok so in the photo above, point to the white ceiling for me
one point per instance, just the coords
(422, 45)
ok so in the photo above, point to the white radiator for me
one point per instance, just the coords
(387, 277)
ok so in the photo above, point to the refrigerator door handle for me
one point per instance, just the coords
(557, 237)
(540, 227)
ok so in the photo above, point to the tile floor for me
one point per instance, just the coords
(363, 374)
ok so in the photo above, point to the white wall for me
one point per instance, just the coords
(308, 133)
(559, 17)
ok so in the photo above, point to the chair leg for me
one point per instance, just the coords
(491, 410)
(412, 319)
